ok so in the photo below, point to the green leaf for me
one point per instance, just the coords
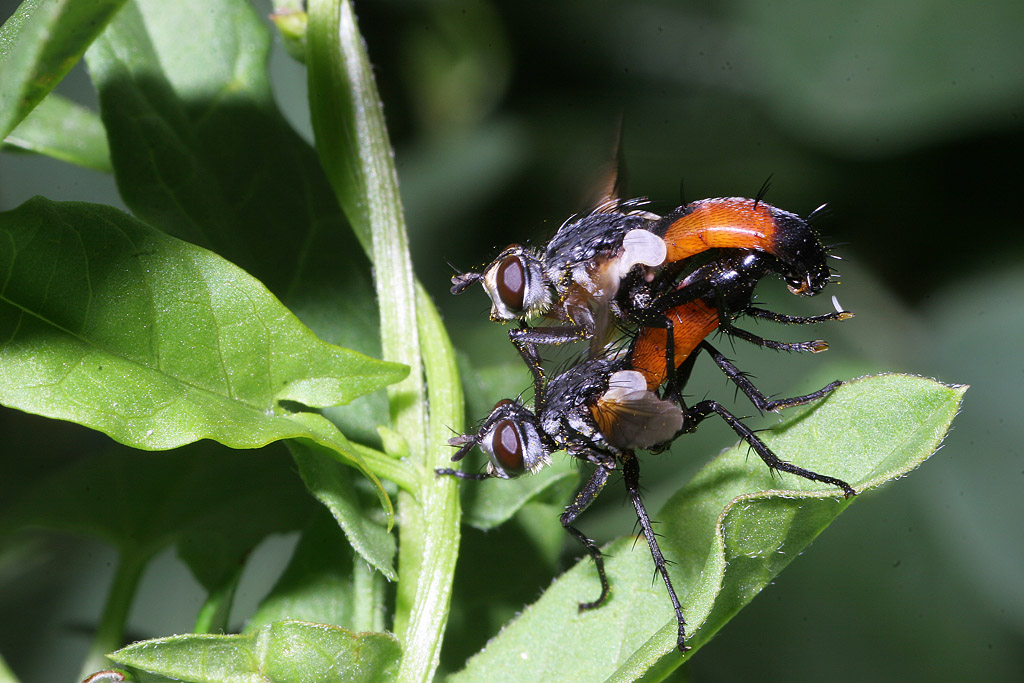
(156, 342)
(329, 484)
(61, 129)
(187, 83)
(200, 151)
(282, 652)
(728, 532)
(39, 44)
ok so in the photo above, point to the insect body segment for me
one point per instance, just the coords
(740, 223)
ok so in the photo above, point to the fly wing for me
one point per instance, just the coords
(610, 186)
(631, 416)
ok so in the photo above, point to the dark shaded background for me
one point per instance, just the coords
(905, 118)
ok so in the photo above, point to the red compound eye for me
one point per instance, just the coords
(512, 283)
(507, 447)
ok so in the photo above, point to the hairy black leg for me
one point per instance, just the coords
(526, 338)
(531, 357)
(814, 346)
(631, 475)
(556, 334)
(448, 472)
(755, 312)
(699, 411)
(581, 502)
(678, 378)
(760, 401)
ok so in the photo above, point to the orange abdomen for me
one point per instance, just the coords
(726, 223)
(692, 322)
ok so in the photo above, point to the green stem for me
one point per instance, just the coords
(353, 145)
(430, 524)
(386, 467)
(215, 612)
(110, 632)
(356, 154)
(368, 597)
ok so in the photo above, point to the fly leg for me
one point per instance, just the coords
(466, 442)
(631, 475)
(815, 346)
(449, 472)
(581, 502)
(756, 396)
(526, 338)
(696, 413)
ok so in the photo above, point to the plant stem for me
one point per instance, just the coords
(215, 612)
(387, 467)
(353, 145)
(430, 524)
(356, 154)
(368, 597)
(110, 632)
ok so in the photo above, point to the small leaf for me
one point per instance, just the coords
(290, 18)
(282, 652)
(156, 342)
(332, 487)
(62, 129)
(39, 44)
(728, 532)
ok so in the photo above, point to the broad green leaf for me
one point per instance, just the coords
(187, 83)
(200, 151)
(728, 532)
(156, 342)
(282, 652)
(39, 44)
(61, 129)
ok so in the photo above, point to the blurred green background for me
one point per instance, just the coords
(906, 118)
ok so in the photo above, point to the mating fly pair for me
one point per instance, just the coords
(670, 279)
